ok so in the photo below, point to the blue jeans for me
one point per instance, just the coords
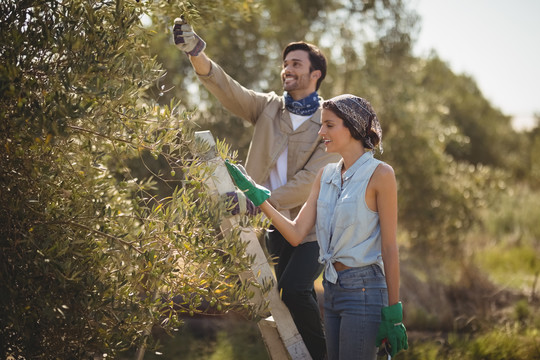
(352, 312)
(296, 270)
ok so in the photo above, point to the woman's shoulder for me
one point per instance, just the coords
(384, 169)
(383, 174)
(330, 169)
(327, 173)
(332, 166)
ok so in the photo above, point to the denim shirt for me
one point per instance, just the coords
(347, 230)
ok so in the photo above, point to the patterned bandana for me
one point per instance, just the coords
(306, 106)
(359, 113)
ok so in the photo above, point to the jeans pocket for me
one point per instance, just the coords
(351, 283)
(367, 277)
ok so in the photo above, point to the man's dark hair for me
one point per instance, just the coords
(316, 57)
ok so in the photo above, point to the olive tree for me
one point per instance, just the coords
(92, 255)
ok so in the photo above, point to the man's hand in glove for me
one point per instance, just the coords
(256, 193)
(392, 329)
(186, 39)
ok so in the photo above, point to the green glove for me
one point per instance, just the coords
(256, 193)
(392, 329)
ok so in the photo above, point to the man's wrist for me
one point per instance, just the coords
(199, 47)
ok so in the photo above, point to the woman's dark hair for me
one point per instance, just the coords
(316, 57)
(372, 135)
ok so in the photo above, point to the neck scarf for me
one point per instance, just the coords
(306, 106)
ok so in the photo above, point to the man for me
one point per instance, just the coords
(285, 154)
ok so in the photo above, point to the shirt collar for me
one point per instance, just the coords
(335, 179)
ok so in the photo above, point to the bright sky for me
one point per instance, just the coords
(496, 42)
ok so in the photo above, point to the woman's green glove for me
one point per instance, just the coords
(256, 193)
(392, 329)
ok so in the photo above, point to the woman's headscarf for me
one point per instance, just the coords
(360, 115)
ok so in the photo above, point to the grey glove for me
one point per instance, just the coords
(186, 39)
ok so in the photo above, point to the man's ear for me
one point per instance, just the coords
(316, 74)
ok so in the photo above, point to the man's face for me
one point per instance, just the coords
(295, 75)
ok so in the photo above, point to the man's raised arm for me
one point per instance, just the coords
(189, 42)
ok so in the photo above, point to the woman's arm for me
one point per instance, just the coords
(294, 231)
(386, 198)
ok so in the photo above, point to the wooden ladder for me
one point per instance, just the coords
(278, 331)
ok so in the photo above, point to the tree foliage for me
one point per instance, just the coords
(91, 254)
(438, 192)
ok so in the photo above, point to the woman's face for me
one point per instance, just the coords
(335, 134)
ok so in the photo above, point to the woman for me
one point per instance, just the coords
(353, 204)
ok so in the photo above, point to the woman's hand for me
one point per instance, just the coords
(392, 329)
(256, 193)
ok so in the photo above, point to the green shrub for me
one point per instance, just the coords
(218, 338)
(507, 342)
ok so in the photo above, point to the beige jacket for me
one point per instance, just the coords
(273, 132)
